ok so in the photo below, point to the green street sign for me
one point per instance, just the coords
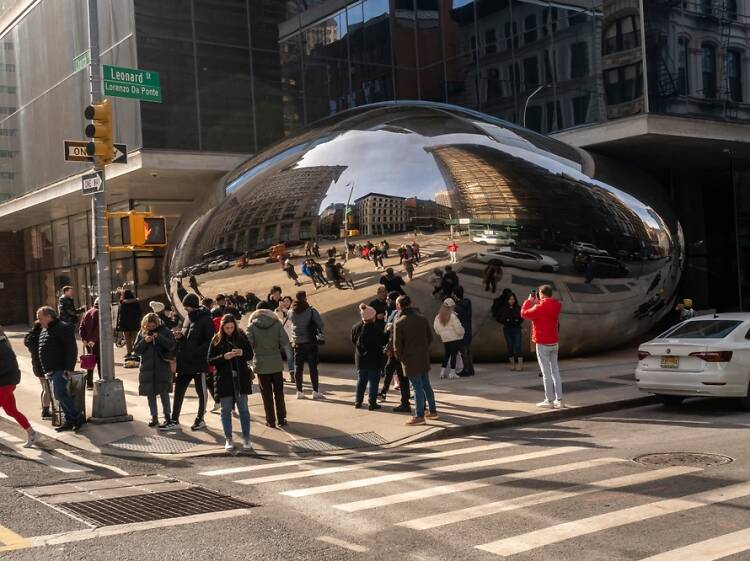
(81, 61)
(132, 83)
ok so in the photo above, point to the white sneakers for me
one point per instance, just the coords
(546, 404)
(32, 439)
(229, 444)
(453, 376)
(442, 374)
(246, 445)
(318, 395)
(300, 395)
(558, 404)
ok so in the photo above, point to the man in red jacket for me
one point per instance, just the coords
(544, 313)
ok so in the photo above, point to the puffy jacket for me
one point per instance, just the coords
(129, 315)
(224, 378)
(57, 347)
(452, 331)
(545, 319)
(192, 349)
(510, 316)
(267, 338)
(155, 374)
(369, 341)
(89, 328)
(10, 374)
(304, 325)
(31, 342)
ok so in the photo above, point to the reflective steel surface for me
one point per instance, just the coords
(537, 209)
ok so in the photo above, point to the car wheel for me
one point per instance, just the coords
(670, 400)
(745, 401)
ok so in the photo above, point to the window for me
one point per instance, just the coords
(529, 29)
(494, 86)
(490, 41)
(702, 329)
(576, 18)
(706, 7)
(708, 68)
(622, 35)
(533, 122)
(531, 73)
(580, 109)
(623, 84)
(683, 87)
(734, 75)
(514, 76)
(579, 60)
(550, 67)
(554, 116)
(731, 9)
(549, 16)
(511, 39)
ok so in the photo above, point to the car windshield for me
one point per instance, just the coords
(702, 329)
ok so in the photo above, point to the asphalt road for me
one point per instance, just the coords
(559, 491)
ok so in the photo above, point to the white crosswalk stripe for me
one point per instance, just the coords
(3, 476)
(464, 486)
(376, 463)
(425, 472)
(708, 550)
(584, 526)
(544, 497)
(41, 456)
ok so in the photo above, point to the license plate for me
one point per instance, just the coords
(670, 362)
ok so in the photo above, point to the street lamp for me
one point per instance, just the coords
(526, 105)
(346, 220)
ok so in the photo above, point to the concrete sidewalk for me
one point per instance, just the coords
(495, 396)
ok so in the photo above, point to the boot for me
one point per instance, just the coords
(519, 364)
(442, 373)
(512, 361)
(154, 422)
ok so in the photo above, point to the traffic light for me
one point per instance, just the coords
(100, 130)
(142, 230)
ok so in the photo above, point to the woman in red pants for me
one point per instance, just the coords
(10, 376)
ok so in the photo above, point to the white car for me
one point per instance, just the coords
(218, 265)
(491, 238)
(591, 249)
(703, 356)
(517, 258)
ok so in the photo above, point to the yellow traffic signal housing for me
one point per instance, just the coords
(141, 231)
(101, 131)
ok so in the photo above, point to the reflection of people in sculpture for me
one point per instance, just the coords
(290, 272)
(436, 280)
(194, 285)
(308, 249)
(453, 252)
(316, 249)
(181, 291)
(492, 274)
(409, 268)
(392, 282)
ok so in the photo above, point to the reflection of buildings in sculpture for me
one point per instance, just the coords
(282, 208)
(496, 189)
(331, 219)
(426, 214)
(9, 141)
(443, 199)
(380, 214)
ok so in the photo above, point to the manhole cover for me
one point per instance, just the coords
(690, 459)
(156, 444)
(358, 440)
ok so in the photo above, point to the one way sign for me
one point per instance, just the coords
(75, 151)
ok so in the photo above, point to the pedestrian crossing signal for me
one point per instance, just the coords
(141, 231)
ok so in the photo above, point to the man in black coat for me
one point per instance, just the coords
(58, 355)
(193, 341)
(66, 308)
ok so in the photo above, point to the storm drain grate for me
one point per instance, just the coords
(689, 459)
(580, 386)
(359, 440)
(153, 506)
(157, 444)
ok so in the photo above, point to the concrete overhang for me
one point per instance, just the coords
(148, 175)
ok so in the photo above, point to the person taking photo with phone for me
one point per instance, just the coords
(544, 313)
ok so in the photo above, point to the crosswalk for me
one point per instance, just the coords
(458, 485)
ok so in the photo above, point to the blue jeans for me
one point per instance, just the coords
(60, 391)
(289, 354)
(164, 404)
(513, 341)
(363, 377)
(422, 390)
(227, 404)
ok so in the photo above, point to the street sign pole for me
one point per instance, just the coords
(109, 394)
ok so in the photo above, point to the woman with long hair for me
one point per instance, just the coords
(230, 352)
(451, 333)
(155, 345)
(510, 318)
(10, 376)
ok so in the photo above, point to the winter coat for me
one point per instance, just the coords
(66, 310)
(129, 316)
(305, 324)
(89, 328)
(510, 316)
(464, 313)
(192, 348)
(57, 347)
(452, 331)
(545, 319)
(10, 374)
(224, 377)
(369, 340)
(449, 283)
(31, 342)
(411, 340)
(268, 338)
(155, 374)
(393, 284)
